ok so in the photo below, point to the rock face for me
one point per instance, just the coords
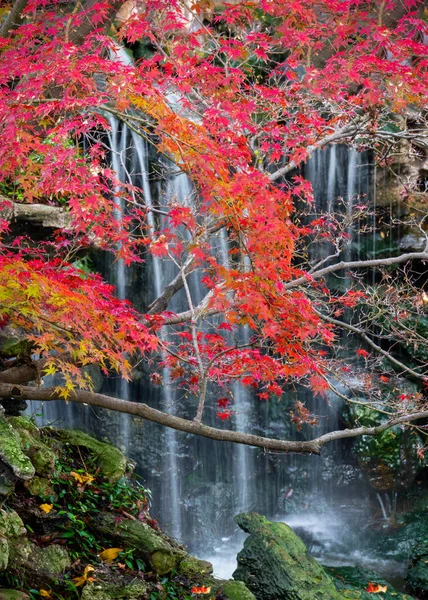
(275, 565)
(11, 454)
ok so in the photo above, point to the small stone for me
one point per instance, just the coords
(13, 595)
(191, 566)
(100, 590)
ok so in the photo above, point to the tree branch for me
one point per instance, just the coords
(14, 18)
(224, 435)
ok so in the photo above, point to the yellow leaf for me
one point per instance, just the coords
(46, 508)
(86, 478)
(45, 594)
(110, 554)
(79, 581)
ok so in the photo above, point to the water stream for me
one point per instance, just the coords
(197, 484)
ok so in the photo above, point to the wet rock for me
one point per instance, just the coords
(352, 583)
(150, 545)
(275, 565)
(99, 590)
(417, 574)
(112, 462)
(11, 453)
(237, 590)
(191, 566)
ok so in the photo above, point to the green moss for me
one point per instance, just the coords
(111, 461)
(41, 456)
(40, 486)
(274, 563)
(191, 566)
(22, 422)
(4, 553)
(13, 595)
(107, 591)
(237, 590)
(11, 452)
(148, 543)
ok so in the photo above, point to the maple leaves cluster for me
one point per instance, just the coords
(231, 94)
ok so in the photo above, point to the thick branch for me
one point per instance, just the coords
(151, 414)
(42, 214)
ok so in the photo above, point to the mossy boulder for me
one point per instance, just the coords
(99, 590)
(41, 456)
(22, 422)
(11, 453)
(389, 460)
(149, 544)
(191, 566)
(237, 590)
(111, 461)
(417, 574)
(352, 582)
(275, 565)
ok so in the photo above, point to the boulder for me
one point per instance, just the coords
(40, 486)
(112, 463)
(275, 565)
(11, 453)
(149, 544)
(41, 456)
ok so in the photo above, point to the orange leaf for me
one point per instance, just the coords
(86, 478)
(376, 588)
(110, 554)
(79, 581)
(203, 589)
(46, 508)
(45, 594)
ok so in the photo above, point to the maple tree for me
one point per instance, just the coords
(238, 95)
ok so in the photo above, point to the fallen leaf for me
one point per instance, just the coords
(45, 594)
(110, 554)
(203, 589)
(376, 588)
(46, 508)
(86, 478)
(79, 581)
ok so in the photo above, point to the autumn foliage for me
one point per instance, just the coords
(238, 95)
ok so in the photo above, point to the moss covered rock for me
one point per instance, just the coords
(41, 456)
(11, 451)
(100, 590)
(112, 462)
(275, 565)
(237, 590)
(4, 553)
(191, 566)
(149, 544)
(40, 486)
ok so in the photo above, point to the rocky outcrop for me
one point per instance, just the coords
(275, 565)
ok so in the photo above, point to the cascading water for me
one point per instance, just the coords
(198, 485)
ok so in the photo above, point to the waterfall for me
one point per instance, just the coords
(198, 484)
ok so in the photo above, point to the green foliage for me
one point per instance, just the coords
(172, 588)
(80, 494)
